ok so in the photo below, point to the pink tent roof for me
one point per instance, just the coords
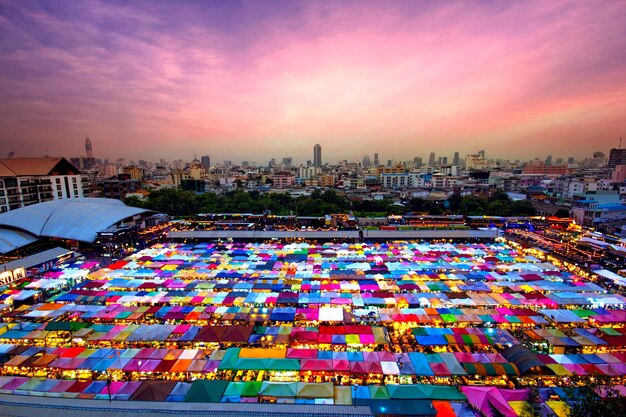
(481, 397)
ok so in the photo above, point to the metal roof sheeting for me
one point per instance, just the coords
(11, 239)
(77, 219)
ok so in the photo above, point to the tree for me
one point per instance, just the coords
(134, 201)
(595, 398)
(531, 407)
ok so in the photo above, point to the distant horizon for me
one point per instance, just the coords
(382, 161)
(255, 80)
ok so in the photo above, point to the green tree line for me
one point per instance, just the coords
(184, 203)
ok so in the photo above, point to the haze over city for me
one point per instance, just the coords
(255, 80)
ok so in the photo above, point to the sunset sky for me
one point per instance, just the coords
(260, 79)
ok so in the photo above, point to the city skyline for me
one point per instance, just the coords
(252, 81)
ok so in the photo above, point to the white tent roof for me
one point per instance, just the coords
(77, 219)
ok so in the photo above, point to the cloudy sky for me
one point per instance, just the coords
(259, 79)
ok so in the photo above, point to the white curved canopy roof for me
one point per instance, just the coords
(77, 219)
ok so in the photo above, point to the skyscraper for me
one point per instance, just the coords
(431, 159)
(317, 155)
(205, 161)
(366, 161)
(617, 157)
(90, 161)
(456, 160)
(88, 148)
(376, 162)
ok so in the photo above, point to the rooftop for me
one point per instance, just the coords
(11, 167)
(77, 219)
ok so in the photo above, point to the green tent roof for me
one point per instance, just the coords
(205, 391)
(378, 392)
(424, 392)
(279, 389)
(283, 365)
(243, 389)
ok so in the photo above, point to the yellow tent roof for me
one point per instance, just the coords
(263, 353)
(560, 408)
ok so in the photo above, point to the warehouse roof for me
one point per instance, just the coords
(77, 219)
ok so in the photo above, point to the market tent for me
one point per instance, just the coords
(153, 391)
(243, 389)
(279, 389)
(343, 395)
(206, 391)
(378, 392)
(283, 365)
(179, 391)
(560, 408)
(57, 389)
(444, 409)
(315, 390)
(424, 392)
(526, 361)
(128, 389)
(483, 397)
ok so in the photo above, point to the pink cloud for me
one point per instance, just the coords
(519, 79)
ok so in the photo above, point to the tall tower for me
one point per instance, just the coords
(431, 159)
(317, 155)
(456, 160)
(88, 148)
(89, 161)
(205, 161)
(376, 161)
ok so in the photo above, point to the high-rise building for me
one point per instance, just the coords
(443, 160)
(366, 161)
(287, 161)
(570, 160)
(617, 157)
(205, 161)
(88, 148)
(456, 159)
(376, 161)
(549, 160)
(417, 162)
(89, 161)
(431, 159)
(317, 155)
